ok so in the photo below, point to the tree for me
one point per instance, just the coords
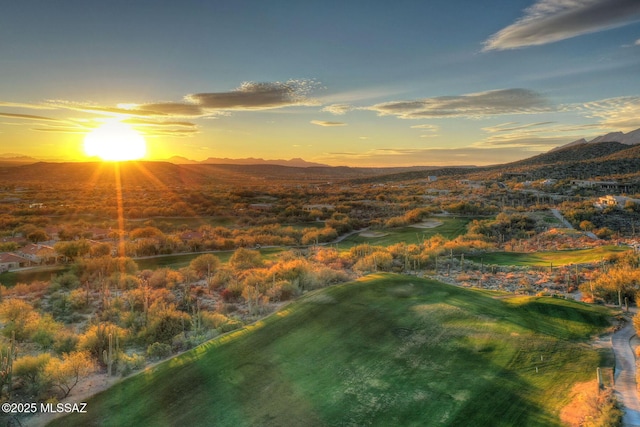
(37, 236)
(31, 370)
(64, 374)
(587, 225)
(244, 259)
(205, 265)
(73, 249)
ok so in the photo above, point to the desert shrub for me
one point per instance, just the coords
(65, 342)
(128, 364)
(213, 320)
(159, 350)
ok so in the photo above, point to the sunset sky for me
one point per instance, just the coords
(361, 83)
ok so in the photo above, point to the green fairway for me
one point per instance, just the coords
(558, 258)
(176, 261)
(450, 229)
(387, 350)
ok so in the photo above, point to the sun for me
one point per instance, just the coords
(115, 141)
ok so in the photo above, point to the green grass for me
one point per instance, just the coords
(450, 228)
(12, 278)
(177, 261)
(386, 350)
(558, 258)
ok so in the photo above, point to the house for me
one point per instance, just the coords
(614, 201)
(37, 253)
(191, 235)
(600, 185)
(10, 261)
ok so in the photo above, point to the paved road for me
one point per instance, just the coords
(625, 375)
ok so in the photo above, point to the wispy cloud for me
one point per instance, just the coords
(513, 126)
(338, 109)
(143, 122)
(539, 136)
(426, 127)
(27, 117)
(620, 114)
(24, 105)
(549, 21)
(474, 105)
(327, 124)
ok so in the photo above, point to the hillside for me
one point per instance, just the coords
(385, 350)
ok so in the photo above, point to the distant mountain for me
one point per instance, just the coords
(631, 138)
(16, 158)
(179, 160)
(296, 162)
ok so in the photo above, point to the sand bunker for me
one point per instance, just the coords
(373, 234)
(427, 224)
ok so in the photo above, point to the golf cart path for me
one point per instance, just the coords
(625, 374)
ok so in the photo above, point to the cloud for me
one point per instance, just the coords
(327, 124)
(513, 126)
(338, 109)
(637, 43)
(539, 136)
(431, 128)
(177, 109)
(257, 96)
(61, 130)
(23, 105)
(619, 114)
(549, 21)
(143, 122)
(474, 105)
(27, 117)
(123, 110)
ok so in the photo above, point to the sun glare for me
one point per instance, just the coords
(115, 141)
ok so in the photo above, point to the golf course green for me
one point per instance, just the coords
(385, 350)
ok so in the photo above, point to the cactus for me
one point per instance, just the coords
(6, 366)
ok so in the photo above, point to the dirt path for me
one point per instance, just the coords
(625, 374)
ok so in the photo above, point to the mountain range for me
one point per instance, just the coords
(631, 138)
(295, 162)
(602, 157)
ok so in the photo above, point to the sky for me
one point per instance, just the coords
(350, 82)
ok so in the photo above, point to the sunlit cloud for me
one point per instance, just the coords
(474, 105)
(513, 126)
(176, 109)
(637, 43)
(60, 130)
(24, 105)
(549, 21)
(620, 114)
(539, 136)
(116, 111)
(142, 122)
(426, 127)
(327, 124)
(258, 96)
(338, 109)
(27, 117)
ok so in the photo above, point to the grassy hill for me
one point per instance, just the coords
(385, 350)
